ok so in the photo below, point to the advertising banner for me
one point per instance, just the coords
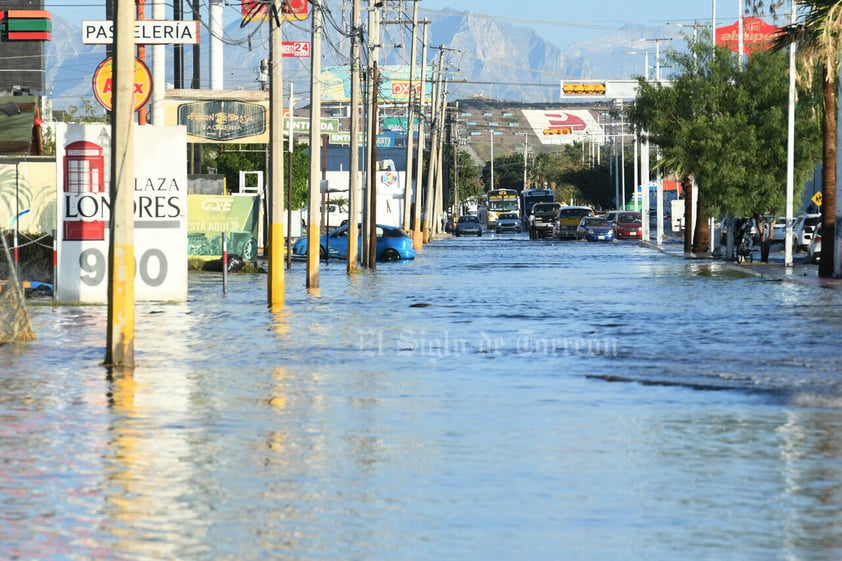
(211, 215)
(563, 127)
(757, 35)
(394, 84)
(83, 212)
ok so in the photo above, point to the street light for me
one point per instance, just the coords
(645, 62)
(657, 41)
(695, 27)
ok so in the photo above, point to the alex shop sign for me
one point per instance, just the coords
(103, 83)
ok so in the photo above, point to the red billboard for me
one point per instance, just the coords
(757, 35)
(289, 9)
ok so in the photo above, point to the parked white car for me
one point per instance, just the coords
(803, 229)
(814, 248)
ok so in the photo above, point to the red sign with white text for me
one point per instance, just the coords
(757, 35)
(298, 49)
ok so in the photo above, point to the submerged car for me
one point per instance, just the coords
(569, 218)
(508, 222)
(393, 244)
(468, 225)
(595, 228)
(627, 224)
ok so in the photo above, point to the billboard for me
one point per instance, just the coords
(757, 35)
(394, 84)
(83, 212)
(563, 127)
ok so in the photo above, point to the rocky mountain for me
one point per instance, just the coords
(483, 57)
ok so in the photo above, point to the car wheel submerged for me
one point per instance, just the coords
(322, 252)
(391, 255)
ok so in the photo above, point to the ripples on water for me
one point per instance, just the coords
(458, 407)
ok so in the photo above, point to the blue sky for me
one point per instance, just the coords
(562, 22)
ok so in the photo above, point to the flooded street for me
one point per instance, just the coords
(495, 399)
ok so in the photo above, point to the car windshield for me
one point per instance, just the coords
(574, 212)
(628, 218)
(464, 219)
(596, 222)
(509, 216)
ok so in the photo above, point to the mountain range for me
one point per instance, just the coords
(482, 56)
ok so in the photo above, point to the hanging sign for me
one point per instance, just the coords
(103, 83)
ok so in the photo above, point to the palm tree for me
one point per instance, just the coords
(819, 39)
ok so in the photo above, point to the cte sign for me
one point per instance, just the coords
(103, 83)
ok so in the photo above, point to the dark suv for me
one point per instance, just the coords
(542, 220)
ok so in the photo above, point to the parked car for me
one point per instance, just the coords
(814, 248)
(803, 228)
(627, 224)
(393, 244)
(468, 225)
(595, 228)
(508, 222)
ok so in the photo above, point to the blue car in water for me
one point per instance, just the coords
(393, 244)
(595, 229)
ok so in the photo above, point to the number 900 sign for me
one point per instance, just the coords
(152, 267)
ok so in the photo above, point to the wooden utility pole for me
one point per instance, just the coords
(275, 282)
(372, 175)
(417, 231)
(354, 164)
(432, 169)
(313, 210)
(407, 196)
(121, 260)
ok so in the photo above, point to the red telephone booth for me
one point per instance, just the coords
(84, 165)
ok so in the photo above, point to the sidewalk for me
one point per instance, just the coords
(800, 271)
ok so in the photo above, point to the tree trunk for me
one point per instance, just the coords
(687, 185)
(701, 235)
(826, 265)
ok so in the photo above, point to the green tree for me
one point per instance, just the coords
(725, 124)
(465, 176)
(818, 37)
(508, 172)
(231, 159)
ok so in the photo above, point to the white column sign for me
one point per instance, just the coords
(83, 171)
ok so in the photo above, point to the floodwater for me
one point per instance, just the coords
(495, 399)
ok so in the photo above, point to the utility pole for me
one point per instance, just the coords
(434, 141)
(439, 199)
(313, 210)
(121, 258)
(417, 232)
(354, 164)
(290, 148)
(369, 223)
(275, 281)
(407, 207)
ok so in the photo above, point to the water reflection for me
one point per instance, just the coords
(458, 406)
